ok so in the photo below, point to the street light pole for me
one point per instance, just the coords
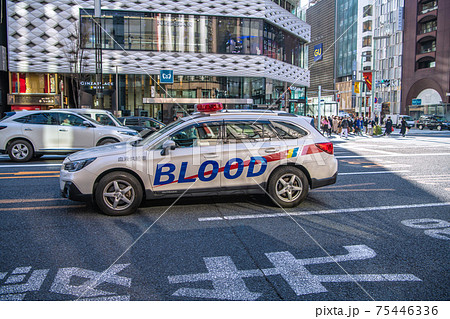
(318, 107)
(98, 53)
(374, 74)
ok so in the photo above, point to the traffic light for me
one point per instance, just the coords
(338, 98)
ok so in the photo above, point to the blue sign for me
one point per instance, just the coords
(318, 52)
(166, 76)
(416, 101)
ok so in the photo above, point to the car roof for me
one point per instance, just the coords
(88, 111)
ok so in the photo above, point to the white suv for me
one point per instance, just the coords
(205, 154)
(29, 134)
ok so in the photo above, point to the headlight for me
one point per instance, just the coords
(128, 133)
(77, 165)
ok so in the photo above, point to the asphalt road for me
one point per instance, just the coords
(381, 233)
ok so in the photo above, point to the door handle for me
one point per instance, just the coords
(210, 155)
(63, 130)
(27, 129)
(271, 150)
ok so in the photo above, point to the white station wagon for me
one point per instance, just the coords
(210, 152)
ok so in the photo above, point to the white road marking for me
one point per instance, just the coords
(377, 172)
(29, 165)
(14, 288)
(394, 155)
(436, 228)
(322, 212)
(228, 281)
(62, 283)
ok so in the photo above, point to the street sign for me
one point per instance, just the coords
(377, 108)
(166, 76)
(416, 101)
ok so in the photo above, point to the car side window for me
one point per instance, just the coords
(132, 122)
(202, 134)
(288, 130)
(104, 119)
(67, 119)
(43, 119)
(248, 130)
(23, 119)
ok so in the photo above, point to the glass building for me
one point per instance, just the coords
(243, 54)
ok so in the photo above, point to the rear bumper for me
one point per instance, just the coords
(71, 192)
(316, 183)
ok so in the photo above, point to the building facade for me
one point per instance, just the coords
(3, 58)
(321, 54)
(426, 62)
(241, 53)
(346, 52)
(388, 48)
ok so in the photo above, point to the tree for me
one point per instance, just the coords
(75, 51)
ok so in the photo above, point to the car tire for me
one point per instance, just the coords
(20, 151)
(111, 191)
(439, 128)
(288, 186)
(107, 141)
(420, 127)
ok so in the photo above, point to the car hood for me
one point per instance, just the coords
(104, 150)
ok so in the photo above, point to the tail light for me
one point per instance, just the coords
(2, 127)
(326, 147)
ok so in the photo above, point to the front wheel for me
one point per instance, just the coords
(106, 141)
(420, 127)
(118, 194)
(288, 186)
(20, 151)
(439, 128)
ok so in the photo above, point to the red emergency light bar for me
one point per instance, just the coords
(209, 107)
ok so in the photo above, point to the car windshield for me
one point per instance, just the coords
(408, 118)
(440, 118)
(149, 139)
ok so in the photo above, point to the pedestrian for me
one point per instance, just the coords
(389, 127)
(403, 128)
(370, 126)
(366, 122)
(324, 125)
(335, 125)
(330, 125)
(345, 126)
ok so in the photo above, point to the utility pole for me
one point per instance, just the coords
(98, 53)
(116, 108)
(318, 107)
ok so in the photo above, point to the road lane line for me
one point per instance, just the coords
(377, 172)
(355, 190)
(39, 208)
(29, 165)
(39, 176)
(393, 155)
(30, 200)
(30, 172)
(323, 212)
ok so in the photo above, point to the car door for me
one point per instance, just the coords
(73, 135)
(42, 130)
(249, 150)
(195, 162)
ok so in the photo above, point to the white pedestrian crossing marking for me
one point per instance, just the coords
(228, 283)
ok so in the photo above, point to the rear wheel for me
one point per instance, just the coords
(439, 128)
(20, 151)
(288, 186)
(118, 194)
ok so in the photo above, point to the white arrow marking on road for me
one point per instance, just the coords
(322, 212)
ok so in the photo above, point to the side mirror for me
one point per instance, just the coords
(167, 146)
(87, 124)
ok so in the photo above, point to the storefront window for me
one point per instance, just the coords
(35, 83)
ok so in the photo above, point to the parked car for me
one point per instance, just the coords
(397, 120)
(144, 125)
(29, 134)
(101, 116)
(433, 122)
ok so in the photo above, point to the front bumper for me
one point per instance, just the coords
(71, 191)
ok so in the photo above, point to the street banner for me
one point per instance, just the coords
(368, 78)
(356, 87)
(318, 54)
